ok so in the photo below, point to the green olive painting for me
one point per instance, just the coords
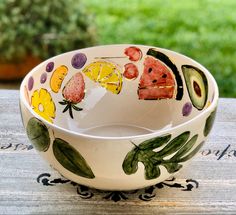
(181, 147)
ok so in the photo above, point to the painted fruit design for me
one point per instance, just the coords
(78, 60)
(106, 73)
(30, 83)
(73, 93)
(172, 154)
(160, 78)
(134, 53)
(130, 71)
(43, 104)
(57, 78)
(38, 134)
(197, 85)
(71, 159)
(187, 109)
(50, 67)
(43, 78)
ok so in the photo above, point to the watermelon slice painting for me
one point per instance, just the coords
(160, 78)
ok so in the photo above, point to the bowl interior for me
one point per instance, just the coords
(118, 90)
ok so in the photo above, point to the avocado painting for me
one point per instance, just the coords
(181, 149)
(197, 85)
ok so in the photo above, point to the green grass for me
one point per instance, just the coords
(203, 29)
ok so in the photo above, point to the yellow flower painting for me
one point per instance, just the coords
(43, 104)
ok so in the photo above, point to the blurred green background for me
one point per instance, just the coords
(202, 29)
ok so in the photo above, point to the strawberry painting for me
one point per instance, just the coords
(73, 93)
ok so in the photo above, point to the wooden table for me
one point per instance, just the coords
(28, 185)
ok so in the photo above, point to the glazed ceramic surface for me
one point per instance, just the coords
(118, 117)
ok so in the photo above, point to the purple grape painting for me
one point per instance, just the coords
(187, 108)
(78, 60)
(50, 67)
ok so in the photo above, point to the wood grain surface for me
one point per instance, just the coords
(28, 185)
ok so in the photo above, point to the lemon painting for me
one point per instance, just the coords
(107, 74)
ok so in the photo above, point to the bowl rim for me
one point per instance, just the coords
(131, 137)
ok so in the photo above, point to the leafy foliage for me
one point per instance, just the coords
(209, 123)
(71, 159)
(203, 30)
(180, 148)
(43, 28)
(70, 106)
(38, 134)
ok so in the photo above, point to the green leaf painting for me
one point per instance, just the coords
(71, 159)
(38, 134)
(209, 123)
(172, 154)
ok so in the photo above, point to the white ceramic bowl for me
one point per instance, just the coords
(118, 117)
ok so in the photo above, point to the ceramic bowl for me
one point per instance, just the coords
(118, 117)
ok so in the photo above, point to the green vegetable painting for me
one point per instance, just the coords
(71, 159)
(180, 148)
